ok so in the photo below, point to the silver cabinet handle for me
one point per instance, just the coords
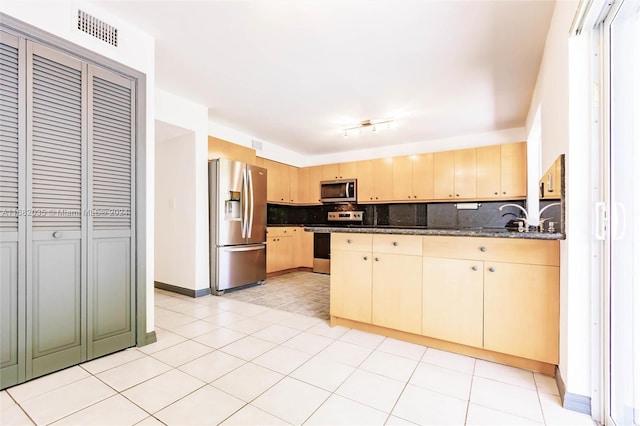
(395, 243)
(474, 267)
(483, 249)
(492, 269)
(57, 234)
(349, 241)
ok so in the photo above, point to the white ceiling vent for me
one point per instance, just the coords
(97, 28)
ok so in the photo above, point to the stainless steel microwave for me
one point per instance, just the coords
(338, 191)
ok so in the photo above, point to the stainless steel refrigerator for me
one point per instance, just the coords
(237, 224)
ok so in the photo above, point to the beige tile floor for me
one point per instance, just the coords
(225, 361)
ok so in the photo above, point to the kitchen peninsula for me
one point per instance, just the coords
(488, 293)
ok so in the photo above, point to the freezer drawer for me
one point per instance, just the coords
(236, 266)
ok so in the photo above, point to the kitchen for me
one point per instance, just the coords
(181, 191)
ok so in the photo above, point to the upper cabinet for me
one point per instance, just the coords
(483, 173)
(551, 182)
(375, 180)
(339, 171)
(413, 177)
(219, 148)
(502, 171)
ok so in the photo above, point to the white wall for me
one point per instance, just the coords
(135, 49)
(175, 245)
(552, 96)
(191, 177)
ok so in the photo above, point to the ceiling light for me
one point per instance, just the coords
(374, 126)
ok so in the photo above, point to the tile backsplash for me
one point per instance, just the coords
(432, 215)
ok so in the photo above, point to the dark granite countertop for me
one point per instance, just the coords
(469, 232)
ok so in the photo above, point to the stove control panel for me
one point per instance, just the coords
(350, 216)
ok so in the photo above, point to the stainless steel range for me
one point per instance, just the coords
(322, 240)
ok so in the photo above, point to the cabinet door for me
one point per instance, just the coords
(402, 178)
(452, 300)
(488, 172)
(422, 179)
(443, 175)
(284, 255)
(397, 292)
(383, 179)
(465, 173)
(521, 310)
(348, 170)
(366, 187)
(315, 176)
(293, 184)
(304, 194)
(330, 171)
(350, 283)
(272, 254)
(303, 248)
(513, 179)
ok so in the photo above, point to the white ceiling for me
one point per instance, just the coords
(295, 72)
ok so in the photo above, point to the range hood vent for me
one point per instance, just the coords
(97, 28)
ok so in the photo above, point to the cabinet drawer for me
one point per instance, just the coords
(532, 252)
(281, 231)
(351, 242)
(509, 250)
(454, 247)
(397, 244)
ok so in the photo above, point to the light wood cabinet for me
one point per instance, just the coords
(488, 180)
(444, 175)
(315, 177)
(522, 310)
(502, 171)
(413, 177)
(219, 148)
(351, 274)
(339, 171)
(302, 248)
(520, 293)
(513, 170)
(396, 283)
(366, 177)
(280, 247)
(465, 173)
(551, 182)
(294, 187)
(452, 300)
(304, 187)
(277, 174)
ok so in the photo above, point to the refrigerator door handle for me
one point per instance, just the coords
(244, 248)
(250, 226)
(244, 200)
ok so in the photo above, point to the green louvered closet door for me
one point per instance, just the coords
(68, 271)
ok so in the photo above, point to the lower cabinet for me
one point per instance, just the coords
(496, 294)
(397, 292)
(288, 247)
(521, 310)
(452, 296)
(351, 285)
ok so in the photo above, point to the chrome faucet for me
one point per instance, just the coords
(542, 220)
(525, 220)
